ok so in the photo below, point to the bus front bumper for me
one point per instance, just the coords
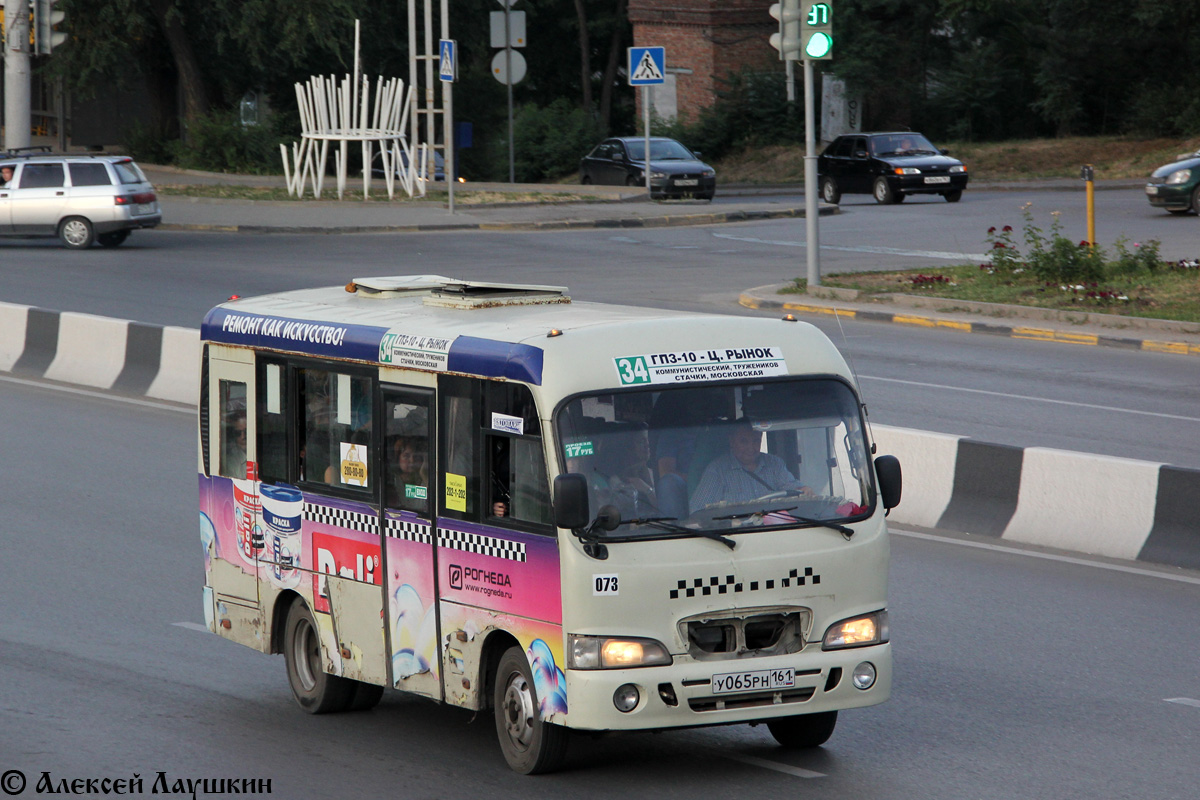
(823, 682)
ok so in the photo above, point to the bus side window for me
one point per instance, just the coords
(517, 481)
(231, 410)
(459, 464)
(407, 452)
(272, 422)
(335, 429)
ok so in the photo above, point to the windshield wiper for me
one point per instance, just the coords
(666, 524)
(842, 529)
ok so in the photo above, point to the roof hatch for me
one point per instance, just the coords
(455, 293)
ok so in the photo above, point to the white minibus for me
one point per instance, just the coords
(581, 516)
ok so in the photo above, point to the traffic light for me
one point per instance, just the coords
(45, 17)
(787, 41)
(816, 29)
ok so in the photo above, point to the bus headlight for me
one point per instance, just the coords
(857, 631)
(604, 652)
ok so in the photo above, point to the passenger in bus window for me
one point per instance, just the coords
(410, 476)
(233, 456)
(745, 473)
(500, 497)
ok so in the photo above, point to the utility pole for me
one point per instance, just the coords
(17, 116)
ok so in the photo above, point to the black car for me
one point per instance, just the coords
(1175, 187)
(675, 171)
(889, 166)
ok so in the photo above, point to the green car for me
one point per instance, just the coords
(1176, 186)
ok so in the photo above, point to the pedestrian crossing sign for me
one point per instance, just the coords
(647, 66)
(447, 60)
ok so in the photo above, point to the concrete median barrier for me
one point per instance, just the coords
(118, 355)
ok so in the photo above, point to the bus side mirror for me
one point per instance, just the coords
(888, 470)
(571, 501)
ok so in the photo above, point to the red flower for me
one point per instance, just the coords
(1084, 243)
(991, 230)
(1008, 228)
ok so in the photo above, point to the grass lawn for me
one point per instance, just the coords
(1173, 292)
(1112, 156)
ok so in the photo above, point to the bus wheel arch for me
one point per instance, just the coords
(279, 615)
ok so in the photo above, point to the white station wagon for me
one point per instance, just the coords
(80, 198)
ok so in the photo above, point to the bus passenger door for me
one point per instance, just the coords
(229, 499)
(408, 522)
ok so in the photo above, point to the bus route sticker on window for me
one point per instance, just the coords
(456, 492)
(354, 464)
(605, 586)
(700, 365)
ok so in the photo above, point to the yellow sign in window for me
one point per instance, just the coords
(456, 492)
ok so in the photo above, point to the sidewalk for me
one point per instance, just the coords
(607, 207)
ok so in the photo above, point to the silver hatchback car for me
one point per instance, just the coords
(79, 198)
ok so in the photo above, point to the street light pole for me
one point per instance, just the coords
(810, 180)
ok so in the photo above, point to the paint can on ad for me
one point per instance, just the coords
(282, 510)
(246, 506)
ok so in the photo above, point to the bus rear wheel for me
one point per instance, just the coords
(530, 745)
(804, 730)
(315, 690)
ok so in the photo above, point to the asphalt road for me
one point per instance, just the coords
(1129, 404)
(1017, 675)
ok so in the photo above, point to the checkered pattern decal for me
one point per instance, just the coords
(729, 584)
(482, 545)
(409, 531)
(340, 518)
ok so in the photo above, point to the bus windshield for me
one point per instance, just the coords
(788, 453)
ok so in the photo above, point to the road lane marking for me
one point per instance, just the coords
(884, 251)
(191, 626)
(100, 393)
(1092, 406)
(774, 765)
(1016, 551)
(1183, 701)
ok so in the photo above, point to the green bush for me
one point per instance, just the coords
(220, 143)
(549, 142)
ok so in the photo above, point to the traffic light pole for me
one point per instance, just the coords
(17, 116)
(812, 244)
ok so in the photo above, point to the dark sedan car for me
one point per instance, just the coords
(888, 166)
(1176, 186)
(675, 171)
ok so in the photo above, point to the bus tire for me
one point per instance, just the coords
(315, 690)
(365, 696)
(530, 745)
(804, 730)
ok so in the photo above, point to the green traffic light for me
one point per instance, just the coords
(819, 45)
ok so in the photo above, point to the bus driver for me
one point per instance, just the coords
(745, 472)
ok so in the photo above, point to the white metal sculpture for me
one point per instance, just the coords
(342, 112)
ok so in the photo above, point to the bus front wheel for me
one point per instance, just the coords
(530, 745)
(804, 730)
(315, 690)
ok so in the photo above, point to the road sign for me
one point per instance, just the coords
(516, 28)
(647, 66)
(500, 63)
(447, 60)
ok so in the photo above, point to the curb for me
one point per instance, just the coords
(670, 220)
(1100, 505)
(753, 298)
